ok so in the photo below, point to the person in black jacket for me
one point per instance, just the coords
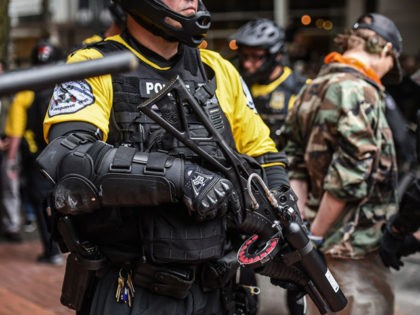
(401, 236)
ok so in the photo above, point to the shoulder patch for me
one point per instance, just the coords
(70, 97)
(249, 100)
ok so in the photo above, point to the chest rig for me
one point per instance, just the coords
(277, 102)
(166, 234)
(129, 127)
(273, 107)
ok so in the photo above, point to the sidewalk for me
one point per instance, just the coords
(30, 288)
(407, 291)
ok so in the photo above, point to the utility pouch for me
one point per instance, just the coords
(218, 273)
(79, 280)
(164, 280)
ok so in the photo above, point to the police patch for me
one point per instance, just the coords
(70, 97)
(248, 95)
(277, 101)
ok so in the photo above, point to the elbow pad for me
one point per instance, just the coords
(151, 179)
(89, 175)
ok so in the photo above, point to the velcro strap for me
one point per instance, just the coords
(206, 91)
(97, 151)
(272, 157)
(72, 141)
(156, 163)
(123, 159)
(126, 117)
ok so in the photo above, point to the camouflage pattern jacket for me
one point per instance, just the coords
(339, 141)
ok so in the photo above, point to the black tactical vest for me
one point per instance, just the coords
(274, 106)
(166, 233)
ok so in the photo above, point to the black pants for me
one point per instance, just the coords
(147, 303)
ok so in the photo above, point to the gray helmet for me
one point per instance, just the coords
(152, 15)
(265, 34)
(262, 33)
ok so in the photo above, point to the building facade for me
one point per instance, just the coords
(310, 25)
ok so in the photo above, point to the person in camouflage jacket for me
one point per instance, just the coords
(342, 160)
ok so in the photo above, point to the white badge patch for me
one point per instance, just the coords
(70, 97)
(248, 95)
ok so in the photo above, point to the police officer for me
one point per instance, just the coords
(140, 210)
(262, 58)
(273, 85)
(401, 235)
(25, 134)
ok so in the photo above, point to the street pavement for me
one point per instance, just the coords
(406, 282)
(28, 287)
(31, 288)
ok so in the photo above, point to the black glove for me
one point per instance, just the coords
(207, 195)
(410, 246)
(390, 248)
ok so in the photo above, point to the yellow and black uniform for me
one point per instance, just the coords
(93, 98)
(17, 116)
(25, 118)
(273, 100)
(104, 149)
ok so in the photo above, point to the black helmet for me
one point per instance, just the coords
(265, 34)
(262, 33)
(384, 27)
(44, 52)
(152, 15)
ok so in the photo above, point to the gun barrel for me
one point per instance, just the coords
(47, 76)
(316, 269)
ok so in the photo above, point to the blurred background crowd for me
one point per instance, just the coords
(310, 27)
(35, 32)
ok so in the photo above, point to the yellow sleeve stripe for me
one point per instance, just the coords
(274, 164)
(258, 90)
(291, 101)
(118, 39)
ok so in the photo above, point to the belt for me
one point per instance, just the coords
(165, 280)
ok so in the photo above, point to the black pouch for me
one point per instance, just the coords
(79, 281)
(164, 280)
(218, 273)
(171, 237)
